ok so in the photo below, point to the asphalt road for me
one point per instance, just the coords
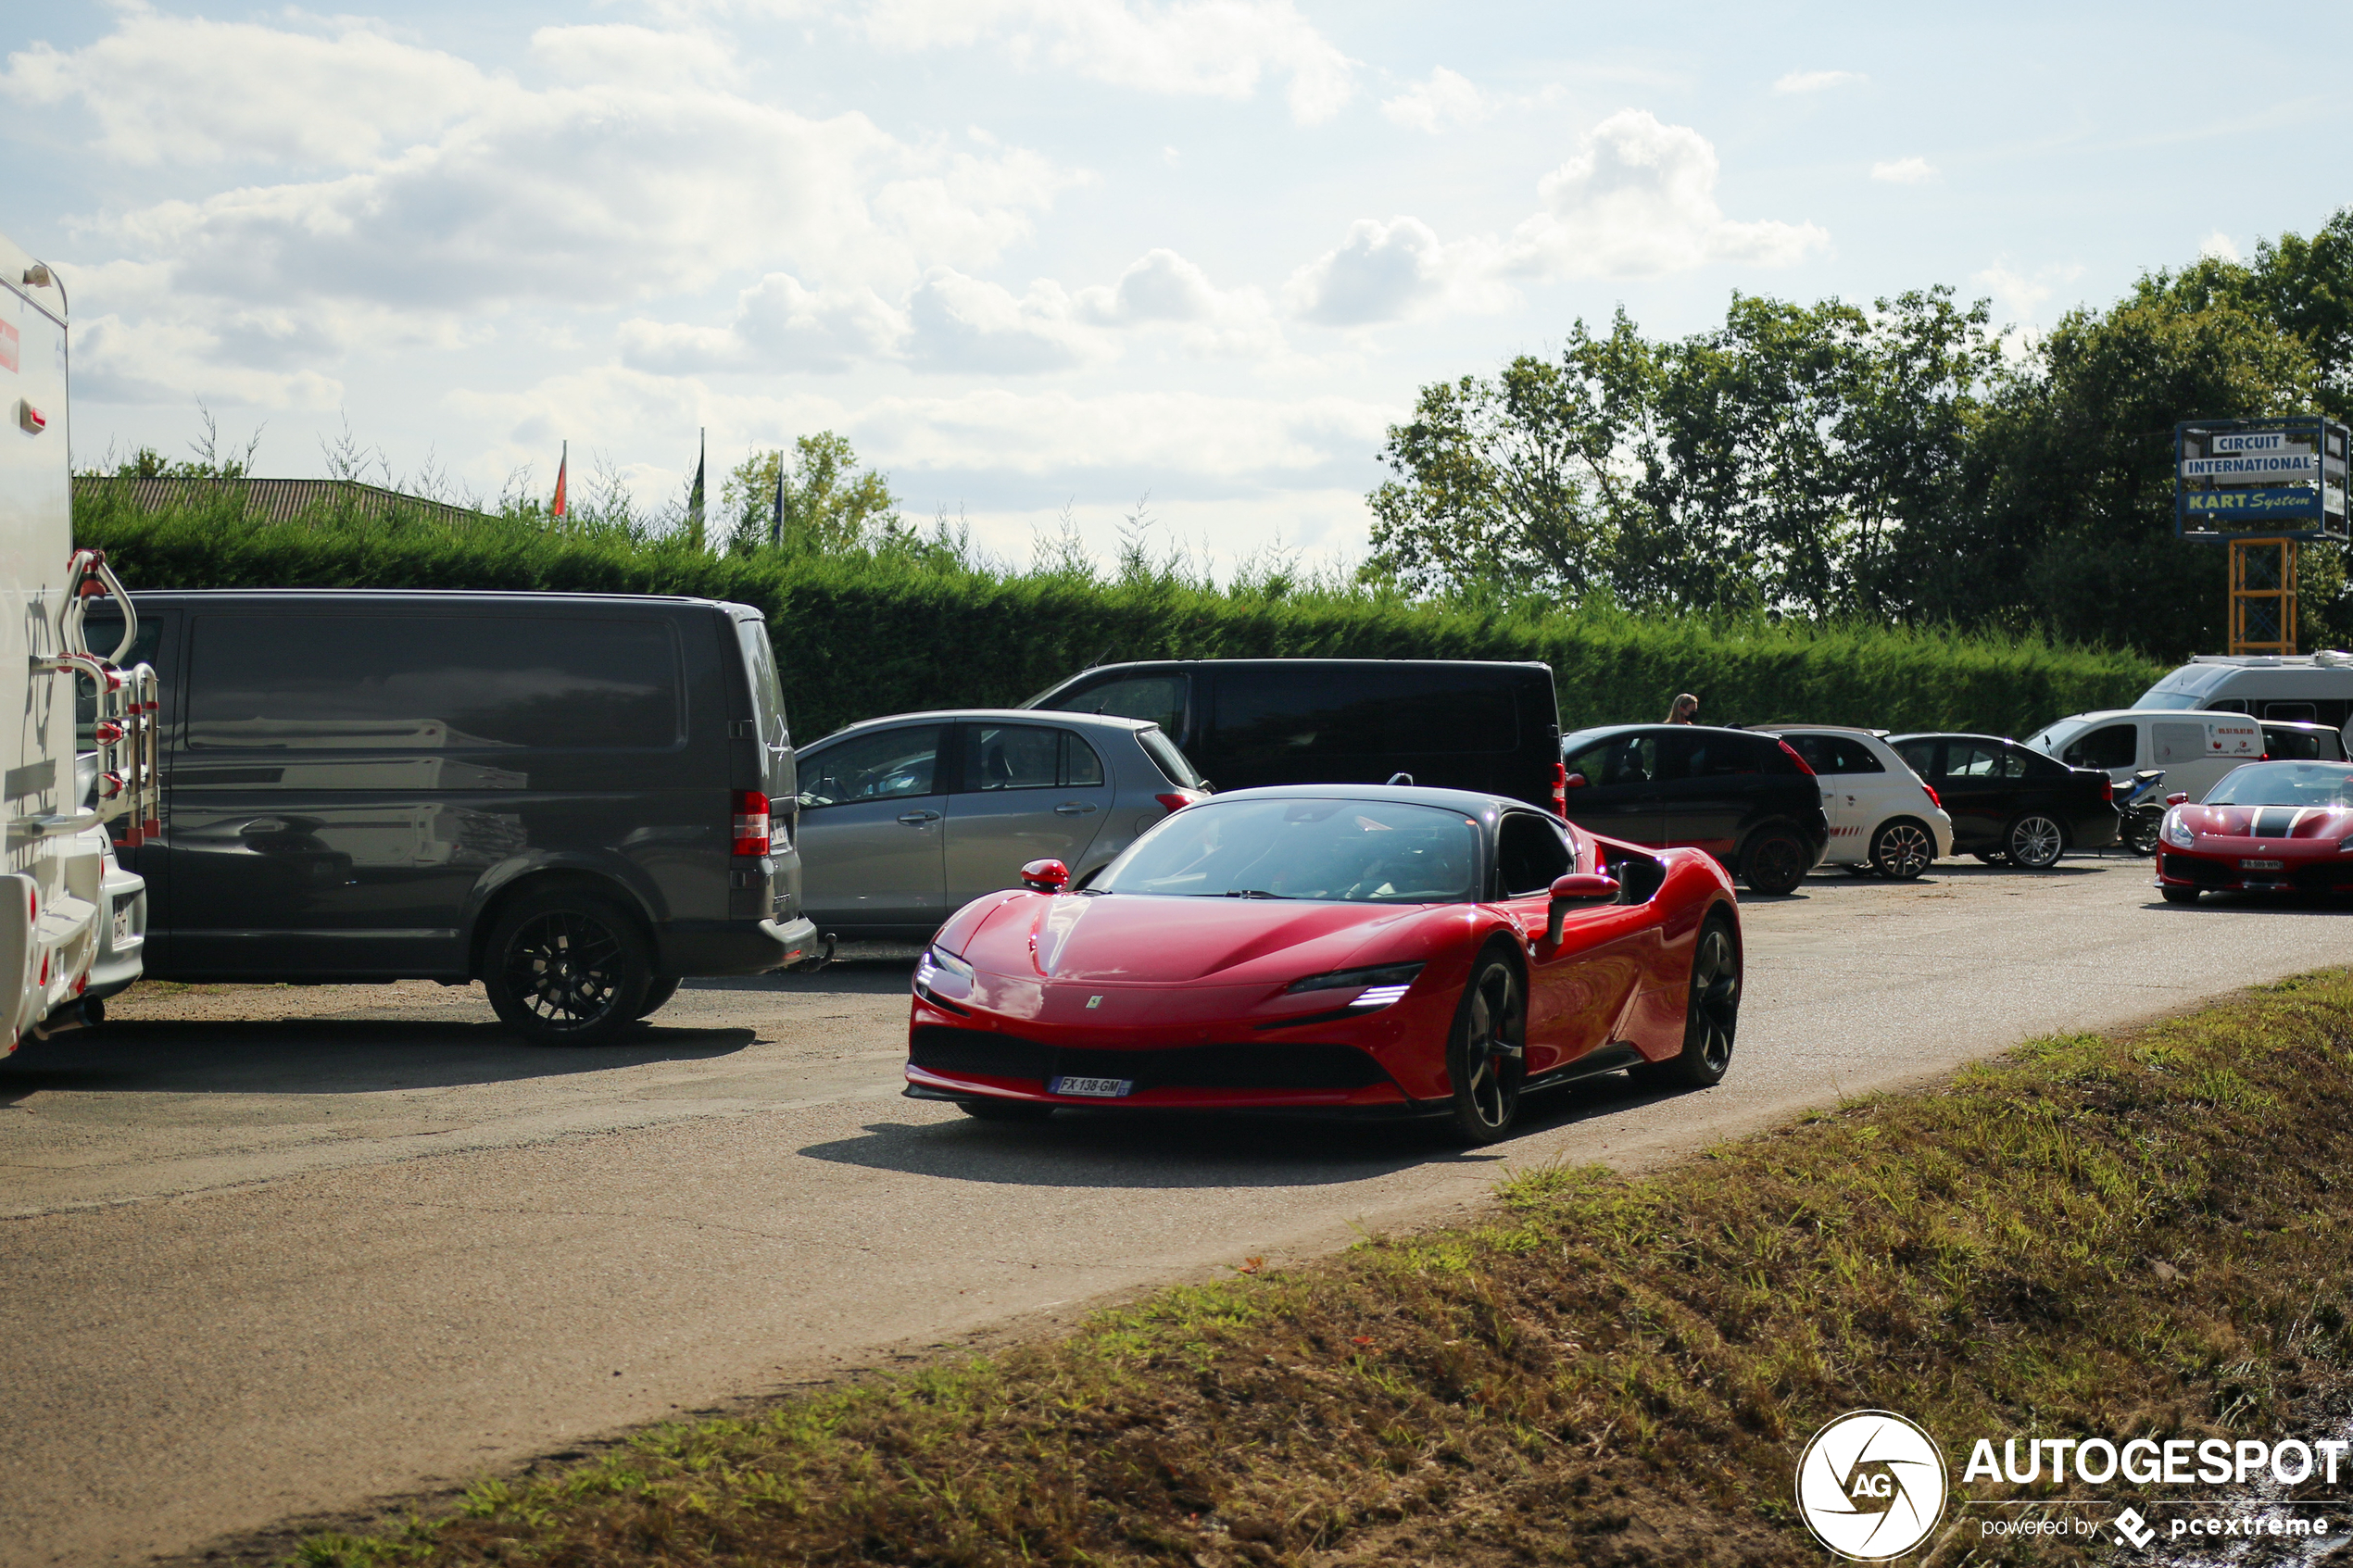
(266, 1252)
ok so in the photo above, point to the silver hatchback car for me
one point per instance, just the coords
(906, 820)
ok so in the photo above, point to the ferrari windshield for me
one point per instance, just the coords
(2285, 784)
(1351, 851)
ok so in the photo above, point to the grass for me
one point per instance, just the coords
(1610, 1370)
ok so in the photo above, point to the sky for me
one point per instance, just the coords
(1062, 259)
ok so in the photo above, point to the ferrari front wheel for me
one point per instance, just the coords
(1486, 1058)
(1711, 1017)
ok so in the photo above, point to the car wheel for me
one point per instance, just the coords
(2180, 895)
(1902, 849)
(1774, 862)
(1711, 1017)
(2036, 841)
(567, 968)
(1004, 1110)
(2140, 833)
(1485, 1054)
(658, 995)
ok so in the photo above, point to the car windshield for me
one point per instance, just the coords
(1350, 852)
(2285, 784)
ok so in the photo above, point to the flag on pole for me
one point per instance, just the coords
(777, 519)
(562, 463)
(694, 497)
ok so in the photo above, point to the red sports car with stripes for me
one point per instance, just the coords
(1378, 949)
(2266, 827)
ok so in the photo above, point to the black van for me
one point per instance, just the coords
(566, 797)
(1452, 724)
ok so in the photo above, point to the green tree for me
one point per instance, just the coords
(831, 506)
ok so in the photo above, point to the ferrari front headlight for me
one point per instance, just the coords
(939, 971)
(2176, 832)
(1381, 985)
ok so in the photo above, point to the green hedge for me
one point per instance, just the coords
(864, 635)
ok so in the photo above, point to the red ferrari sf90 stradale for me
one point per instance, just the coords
(2265, 827)
(1334, 947)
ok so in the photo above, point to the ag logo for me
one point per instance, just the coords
(1871, 1486)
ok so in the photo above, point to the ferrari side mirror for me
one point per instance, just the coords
(1044, 877)
(1574, 781)
(1568, 892)
(2177, 799)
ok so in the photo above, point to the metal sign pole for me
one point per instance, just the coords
(2262, 607)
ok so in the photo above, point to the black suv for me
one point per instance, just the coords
(567, 796)
(1486, 726)
(1747, 799)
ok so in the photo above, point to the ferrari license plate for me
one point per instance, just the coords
(2261, 865)
(1101, 1088)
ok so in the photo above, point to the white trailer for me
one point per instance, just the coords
(72, 922)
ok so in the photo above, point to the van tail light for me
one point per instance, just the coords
(1790, 752)
(1174, 801)
(1933, 798)
(751, 822)
(1560, 789)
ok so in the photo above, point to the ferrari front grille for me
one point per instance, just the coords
(1268, 1065)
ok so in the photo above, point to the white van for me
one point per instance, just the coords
(2313, 688)
(2195, 749)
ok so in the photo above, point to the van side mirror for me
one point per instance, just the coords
(1574, 781)
(1568, 892)
(1044, 877)
(2177, 799)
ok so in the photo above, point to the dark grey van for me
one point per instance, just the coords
(1486, 726)
(566, 797)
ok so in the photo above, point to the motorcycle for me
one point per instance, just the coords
(2143, 809)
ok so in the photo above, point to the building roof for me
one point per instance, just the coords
(276, 501)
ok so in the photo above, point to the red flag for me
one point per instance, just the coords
(562, 464)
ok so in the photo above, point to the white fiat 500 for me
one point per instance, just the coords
(1882, 818)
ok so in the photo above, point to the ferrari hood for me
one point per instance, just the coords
(2270, 822)
(1140, 939)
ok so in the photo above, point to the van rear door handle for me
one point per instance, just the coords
(1074, 808)
(917, 819)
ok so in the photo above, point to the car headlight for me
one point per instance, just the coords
(1380, 987)
(940, 973)
(2176, 832)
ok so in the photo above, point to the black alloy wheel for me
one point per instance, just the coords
(1486, 1055)
(1774, 861)
(2180, 895)
(1902, 850)
(1711, 1017)
(2036, 841)
(2140, 832)
(567, 968)
(658, 995)
(1004, 1110)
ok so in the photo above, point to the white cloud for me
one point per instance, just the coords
(637, 55)
(1815, 80)
(185, 90)
(2219, 247)
(1903, 170)
(1429, 106)
(951, 321)
(1638, 198)
(2019, 299)
(1215, 48)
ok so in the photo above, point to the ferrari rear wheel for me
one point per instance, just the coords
(1486, 1058)
(1711, 1018)
(1004, 1110)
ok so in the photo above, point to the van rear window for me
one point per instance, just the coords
(418, 681)
(1270, 714)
